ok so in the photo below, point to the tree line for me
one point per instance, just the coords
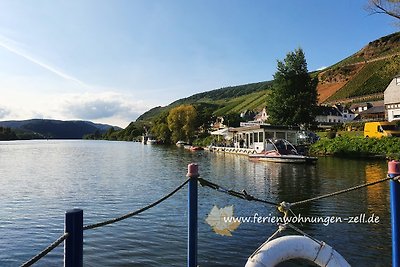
(6, 134)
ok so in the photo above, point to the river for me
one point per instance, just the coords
(40, 180)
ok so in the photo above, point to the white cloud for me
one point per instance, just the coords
(322, 68)
(4, 112)
(106, 105)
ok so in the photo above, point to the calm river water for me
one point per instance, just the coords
(40, 180)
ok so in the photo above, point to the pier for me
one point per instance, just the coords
(232, 150)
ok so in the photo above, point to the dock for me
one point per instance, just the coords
(232, 150)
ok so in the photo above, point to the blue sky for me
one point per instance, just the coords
(109, 61)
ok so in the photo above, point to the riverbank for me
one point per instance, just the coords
(357, 147)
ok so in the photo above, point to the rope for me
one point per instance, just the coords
(281, 227)
(242, 195)
(123, 217)
(46, 250)
(342, 191)
(303, 233)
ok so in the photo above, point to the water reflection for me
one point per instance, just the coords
(377, 194)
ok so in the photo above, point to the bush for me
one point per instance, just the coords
(331, 134)
(357, 146)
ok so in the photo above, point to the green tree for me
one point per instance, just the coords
(161, 131)
(232, 120)
(293, 98)
(160, 128)
(181, 122)
(7, 134)
(111, 134)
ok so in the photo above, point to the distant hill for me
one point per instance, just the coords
(233, 99)
(54, 129)
(363, 75)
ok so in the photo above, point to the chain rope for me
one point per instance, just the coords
(46, 250)
(342, 191)
(242, 195)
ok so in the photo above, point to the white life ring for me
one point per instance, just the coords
(296, 247)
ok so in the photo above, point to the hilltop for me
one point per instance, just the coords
(54, 129)
(363, 75)
(233, 99)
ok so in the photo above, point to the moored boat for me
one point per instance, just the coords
(196, 148)
(151, 141)
(181, 143)
(282, 151)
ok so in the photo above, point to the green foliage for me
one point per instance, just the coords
(233, 99)
(253, 101)
(7, 134)
(204, 141)
(331, 134)
(357, 146)
(224, 93)
(181, 122)
(232, 120)
(94, 136)
(293, 99)
(152, 113)
(133, 132)
(205, 115)
(354, 126)
(162, 132)
(382, 47)
(111, 134)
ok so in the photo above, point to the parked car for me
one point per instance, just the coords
(307, 137)
(380, 129)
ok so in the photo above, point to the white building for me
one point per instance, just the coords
(255, 136)
(347, 114)
(262, 116)
(392, 99)
(328, 115)
(334, 115)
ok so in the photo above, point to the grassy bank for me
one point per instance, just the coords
(357, 147)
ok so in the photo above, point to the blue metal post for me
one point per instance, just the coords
(73, 246)
(193, 174)
(393, 171)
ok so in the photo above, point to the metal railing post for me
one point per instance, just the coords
(73, 246)
(393, 171)
(193, 174)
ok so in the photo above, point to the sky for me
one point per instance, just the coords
(109, 61)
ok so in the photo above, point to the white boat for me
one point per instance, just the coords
(281, 150)
(151, 141)
(181, 143)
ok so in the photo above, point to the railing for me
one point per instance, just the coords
(73, 234)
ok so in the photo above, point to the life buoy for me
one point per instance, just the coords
(296, 247)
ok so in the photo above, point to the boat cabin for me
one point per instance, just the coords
(256, 136)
